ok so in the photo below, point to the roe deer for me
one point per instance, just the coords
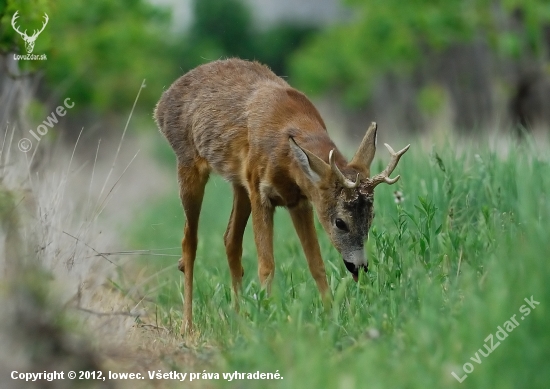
(238, 119)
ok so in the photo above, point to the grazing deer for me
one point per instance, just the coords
(238, 119)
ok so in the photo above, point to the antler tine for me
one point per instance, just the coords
(47, 19)
(343, 179)
(13, 19)
(384, 176)
(36, 32)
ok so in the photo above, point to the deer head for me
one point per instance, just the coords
(29, 40)
(345, 197)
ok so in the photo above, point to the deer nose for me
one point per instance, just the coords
(351, 268)
(354, 269)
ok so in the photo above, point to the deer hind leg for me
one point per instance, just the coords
(302, 218)
(233, 237)
(192, 181)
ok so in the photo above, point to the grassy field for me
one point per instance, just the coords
(449, 267)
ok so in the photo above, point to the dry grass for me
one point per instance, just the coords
(60, 302)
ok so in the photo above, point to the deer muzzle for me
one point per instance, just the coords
(355, 261)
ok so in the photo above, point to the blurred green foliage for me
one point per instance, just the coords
(431, 99)
(102, 50)
(227, 24)
(99, 52)
(395, 36)
(224, 28)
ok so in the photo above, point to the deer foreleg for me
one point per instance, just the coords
(262, 222)
(302, 218)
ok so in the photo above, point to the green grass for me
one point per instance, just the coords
(448, 265)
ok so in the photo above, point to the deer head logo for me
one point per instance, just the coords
(29, 40)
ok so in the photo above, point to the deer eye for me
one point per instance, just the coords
(341, 225)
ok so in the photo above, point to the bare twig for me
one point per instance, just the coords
(142, 252)
(92, 178)
(154, 326)
(90, 247)
(103, 204)
(122, 138)
(118, 313)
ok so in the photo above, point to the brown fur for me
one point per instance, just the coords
(240, 120)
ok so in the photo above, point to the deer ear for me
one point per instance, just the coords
(365, 154)
(312, 166)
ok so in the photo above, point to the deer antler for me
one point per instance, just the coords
(13, 19)
(384, 176)
(36, 33)
(29, 40)
(343, 179)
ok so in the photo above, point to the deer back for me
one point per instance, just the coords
(228, 112)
